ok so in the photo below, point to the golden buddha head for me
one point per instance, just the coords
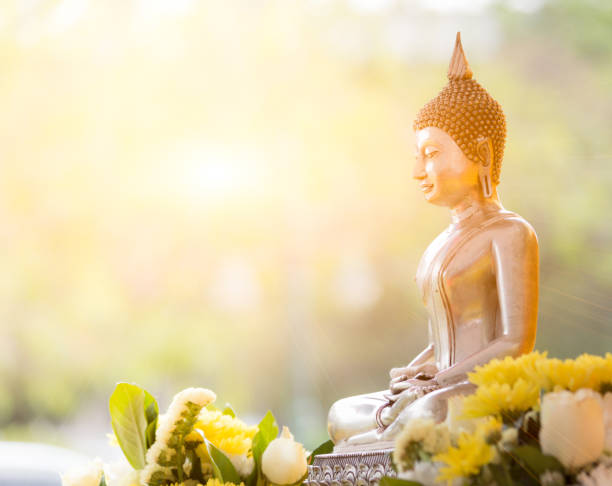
(464, 129)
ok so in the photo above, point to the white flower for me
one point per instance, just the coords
(244, 465)
(423, 472)
(88, 475)
(120, 473)
(199, 396)
(430, 437)
(426, 473)
(552, 478)
(572, 427)
(607, 407)
(509, 437)
(601, 475)
(167, 427)
(284, 460)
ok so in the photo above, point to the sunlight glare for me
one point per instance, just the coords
(210, 174)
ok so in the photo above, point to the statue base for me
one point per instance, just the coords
(360, 468)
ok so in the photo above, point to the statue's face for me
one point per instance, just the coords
(446, 176)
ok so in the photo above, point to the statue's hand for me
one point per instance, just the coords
(423, 383)
(418, 386)
(400, 377)
(399, 384)
(411, 371)
(403, 371)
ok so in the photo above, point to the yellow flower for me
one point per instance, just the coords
(502, 400)
(456, 421)
(229, 434)
(471, 453)
(211, 482)
(489, 429)
(586, 371)
(508, 370)
(216, 482)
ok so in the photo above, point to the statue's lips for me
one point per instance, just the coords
(426, 187)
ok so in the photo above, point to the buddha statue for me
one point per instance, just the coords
(478, 279)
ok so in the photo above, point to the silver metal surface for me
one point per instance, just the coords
(357, 468)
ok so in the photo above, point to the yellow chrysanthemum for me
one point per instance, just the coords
(225, 432)
(489, 428)
(586, 371)
(216, 482)
(508, 370)
(471, 453)
(502, 400)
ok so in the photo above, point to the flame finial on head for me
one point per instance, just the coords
(459, 67)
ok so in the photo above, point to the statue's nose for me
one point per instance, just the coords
(418, 172)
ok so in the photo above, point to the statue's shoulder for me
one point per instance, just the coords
(431, 251)
(511, 227)
(438, 242)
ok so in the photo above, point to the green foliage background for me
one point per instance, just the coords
(186, 193)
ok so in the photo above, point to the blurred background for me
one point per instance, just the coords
(219, 194)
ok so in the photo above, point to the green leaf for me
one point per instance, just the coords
(389, 481)
(102, 481)
(196, 470)
(424, 456)
(325, 448)
(151, 414)
(223, 468)
(523, 477)
(150, 406)
(262, 481)
(228, 410)
(129, 422)
(501, 475)
(537, 462)
(267, 432)
(150, 433)
(252, 479)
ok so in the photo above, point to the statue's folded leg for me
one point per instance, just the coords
(433, 405)
(353, 421)
(361, 419)
(354, 415)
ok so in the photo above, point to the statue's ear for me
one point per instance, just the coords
(484, 149)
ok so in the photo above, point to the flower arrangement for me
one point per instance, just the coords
(193, 444)
(532, 420)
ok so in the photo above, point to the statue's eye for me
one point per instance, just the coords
(431, 152)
